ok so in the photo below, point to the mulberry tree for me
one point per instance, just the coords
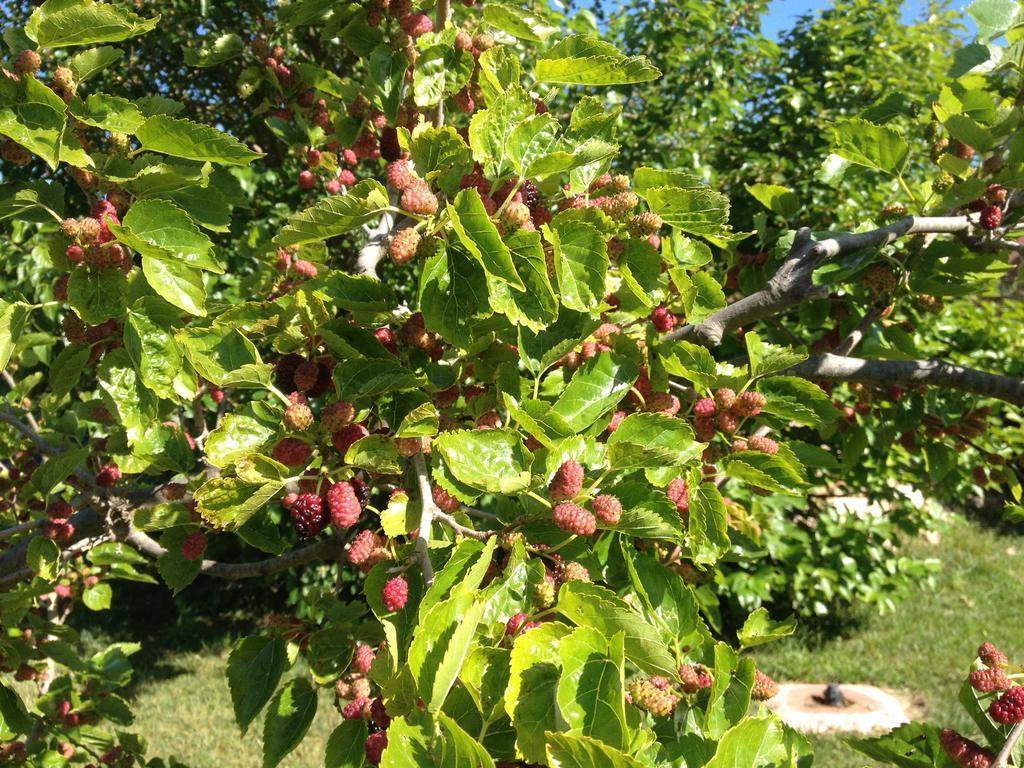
(420, 327)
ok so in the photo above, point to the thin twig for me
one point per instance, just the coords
(1003, 758)
(28, 414)
(428, 510)
(459, 528)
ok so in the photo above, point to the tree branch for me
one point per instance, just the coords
(428, 511)
(376, 248)
(1003, 758)
(933, 372)
(792, 283)
(322, 549)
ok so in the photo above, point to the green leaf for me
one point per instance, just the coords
(530, 698)
(224, 356)
(58, 468)
(873, 146)
(209, 54)
(691, 361)
(174, 281)
(161, 229)
(531, 24)
(227, 502)
(12, 323)
(531, 140)
(38, 122)
(591, 689)
(440, 645)
(149, 339)
(492, 460)
(969, 131)
(708, 528)
(536, 307)
(124, 394)
(768, 358)
(356, 292)
(97, 294)
(335, 215)
(365, 378)
(759, 628)
(14, 717)
(98, 596)
(701, 294)
(667, 598)
(179, 137)
(175, 570)
(597, 386)
(375, 453)
(345, 746)
(589, 605)
(288, 718)
(699, 211)
(652, 440)
(570, 750)
(584, 60)
(111, 113)
(781, 200)
(489, 128)
(440, 155)
(911, 745)
(994, 17)
(238, 435)
(254, 669)
(757, 742)
(541, 349)
(85, 64)
(29, 201)
(647, 513)
(773, 473)
(440, 71)
(43, 557)
(799, 400)
(581, 262)
(59, 23)
(478, 234)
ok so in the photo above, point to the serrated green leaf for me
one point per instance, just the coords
(288, 718)
(179, 137)
(584, 60)
(335, 214)
(492, 460)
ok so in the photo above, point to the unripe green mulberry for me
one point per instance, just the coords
(650, 697)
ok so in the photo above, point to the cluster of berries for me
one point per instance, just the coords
(566, 485)
(724, 412)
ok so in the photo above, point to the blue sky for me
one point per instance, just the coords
(782, 13)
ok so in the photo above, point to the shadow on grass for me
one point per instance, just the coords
(208, 617)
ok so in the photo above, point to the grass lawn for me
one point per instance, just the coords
(183, 707)
(924, 647)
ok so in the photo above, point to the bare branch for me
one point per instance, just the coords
(1003, 758)
(459, 528)
(322, 549)
(847, 345)
(28, 414)
(792, 284)
(376, 248)
(933, 372)
(429, 511)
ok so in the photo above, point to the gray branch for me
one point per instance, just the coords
(323, 549)
(792, 284)
(376, 248)
(932, 372)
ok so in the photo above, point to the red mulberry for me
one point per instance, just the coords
(292, 452)
(343, 505)
(991, 656)
(764, 687)
(343, 439)
(1008, 708)
(663, 319)
(573, 518)
(308, 515)
(748, 403)
(567, 482)
(338, 415)
(704, 407)
(607, 509)
(991, 217)
(990, 680)
(395, 594)
(194, 546)
(963, 751)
